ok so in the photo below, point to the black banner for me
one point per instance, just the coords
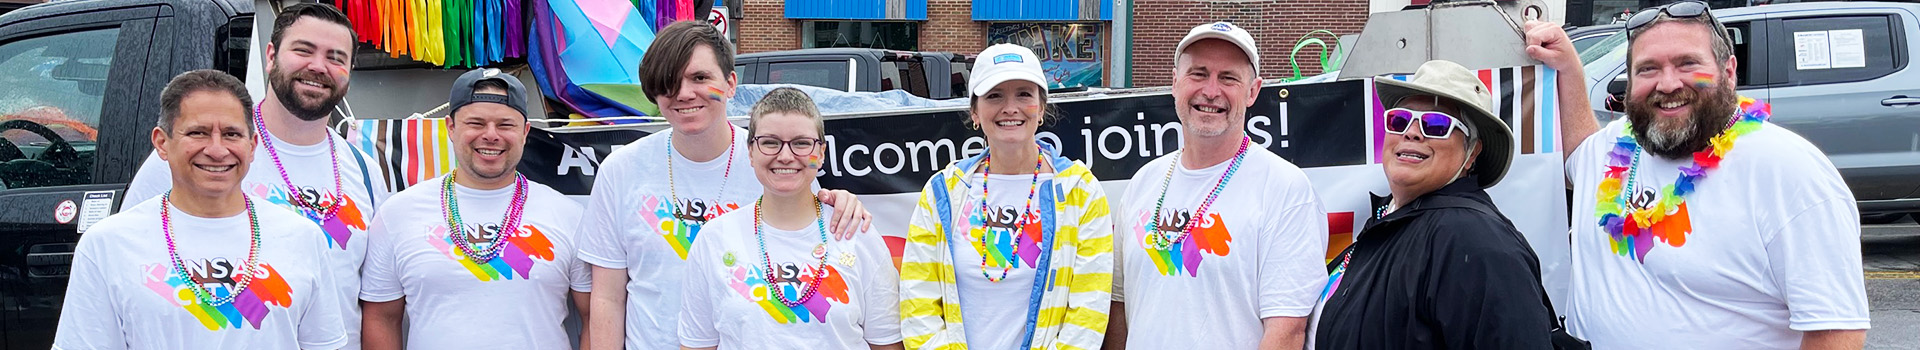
(1312, 125)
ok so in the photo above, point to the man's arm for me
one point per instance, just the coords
(1549, 44)
(583, 303)
(849, 216)
(380, 325)
(606, 314)
(1116, 327)
(1283, 333)
(1840, 339)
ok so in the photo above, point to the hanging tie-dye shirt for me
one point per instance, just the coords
(343, 237)
(523, 295)
(125, 292)
(729, 302)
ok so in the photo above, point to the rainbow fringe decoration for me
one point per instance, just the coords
(1631, 230)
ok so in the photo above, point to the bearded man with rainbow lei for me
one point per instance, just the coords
(1698, 224)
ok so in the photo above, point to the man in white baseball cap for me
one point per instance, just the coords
(1222, 242)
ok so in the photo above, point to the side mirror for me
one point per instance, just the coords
(1616, 93)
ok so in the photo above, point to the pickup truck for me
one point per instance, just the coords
(1858, 102)
(65, 146)
(934, 75)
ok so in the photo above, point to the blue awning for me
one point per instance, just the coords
(905, 10)
(1042, 10)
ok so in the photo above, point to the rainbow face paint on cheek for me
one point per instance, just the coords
(815, 161)
(716, 94)
(341, 71)
(1702, 80)
(1033, 110)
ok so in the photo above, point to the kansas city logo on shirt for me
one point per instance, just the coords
(520, 250)
(339, 229)
(267, 293)
(750, 282)
(679, 223)
(1208, 236)
(997, 230)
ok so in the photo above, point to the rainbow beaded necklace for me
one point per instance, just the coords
(819, 251)
(673, 191)
(980, 245)
(450, 209)
(241, 279)
(1161, 240)
(1619, 219)
(315, 210)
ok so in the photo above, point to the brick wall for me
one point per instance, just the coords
(1276, 26)
(764, 27)
(950, 28)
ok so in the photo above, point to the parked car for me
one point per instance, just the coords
(1584, 37)
(1864, 114)
(935, 75)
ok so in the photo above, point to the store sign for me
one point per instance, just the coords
(1069, 52)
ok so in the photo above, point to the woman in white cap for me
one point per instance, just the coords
(1012, 235)
(1437, 266)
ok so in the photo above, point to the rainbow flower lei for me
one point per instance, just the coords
(1630, 229)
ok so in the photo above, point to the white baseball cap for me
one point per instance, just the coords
(1004, 62)
(1223, 31)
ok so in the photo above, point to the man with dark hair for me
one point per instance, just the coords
(202, 266)
(651, 197)
(480, 244)
(305, 166)
(1697, 223)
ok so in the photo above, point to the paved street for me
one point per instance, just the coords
(1893, 284)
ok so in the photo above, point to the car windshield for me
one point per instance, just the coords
(1604, 48)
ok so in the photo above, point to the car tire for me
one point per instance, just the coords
(1880, 219)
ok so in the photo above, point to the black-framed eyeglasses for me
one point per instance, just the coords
(1683, 9)
(801, 146)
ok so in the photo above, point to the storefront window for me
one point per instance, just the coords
(904, 36)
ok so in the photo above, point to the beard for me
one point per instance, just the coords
(308, 109)
(1679, 138)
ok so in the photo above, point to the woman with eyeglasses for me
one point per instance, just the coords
(767, 276)
(1016, 240)
(1437, 266)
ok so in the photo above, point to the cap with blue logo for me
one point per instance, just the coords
(1002, 63)
(1223, 31)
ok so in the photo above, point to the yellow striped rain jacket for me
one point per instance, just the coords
(1074, 278)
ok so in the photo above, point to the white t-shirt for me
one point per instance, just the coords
(1259, 253)
(996, 312)
(125, 292)
(728, 304)
(344, 237)
(1774, 250)
(518, 299)
(629, 224)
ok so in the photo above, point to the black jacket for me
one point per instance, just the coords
(1438, 274)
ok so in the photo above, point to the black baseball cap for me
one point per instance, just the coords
(463, 94)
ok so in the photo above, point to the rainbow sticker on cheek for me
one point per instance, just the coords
(815, 161)
(1033, 110)
(716, 94)
(1702, 80)
(341, 71)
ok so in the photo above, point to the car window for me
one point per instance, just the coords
(745, 72)
(50, 108)
(1838, 49)
(826, 74)
(1609, 45)
(962, 69)
(904, 75)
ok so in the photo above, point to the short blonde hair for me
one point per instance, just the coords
(785, 100)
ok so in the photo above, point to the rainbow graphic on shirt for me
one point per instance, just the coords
(340, 229)
(748, 279)
(267, 291)
(516, 258)
(1209, 236)
(999, 234)
(1673, 231)
(659, 213)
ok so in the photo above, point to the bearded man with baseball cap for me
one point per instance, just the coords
(480, 244)
(1438, 237)
(1219, 244)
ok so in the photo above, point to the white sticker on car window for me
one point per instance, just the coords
(1811, 51)
(96, 206)
(1848, 47)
